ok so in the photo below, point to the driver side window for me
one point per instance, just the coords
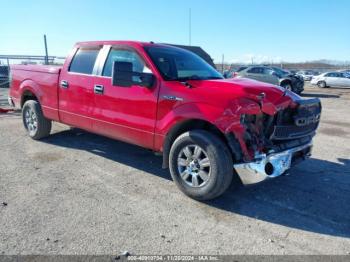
(330, 75)
(124, 55)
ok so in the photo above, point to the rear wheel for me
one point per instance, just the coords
(201, 165)
(35, 123)
(322, 84)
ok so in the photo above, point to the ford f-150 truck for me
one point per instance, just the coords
(169, 100)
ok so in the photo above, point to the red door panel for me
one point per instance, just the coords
(76, 88)
(127, 114)
(76, 102)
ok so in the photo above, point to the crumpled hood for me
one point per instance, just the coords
(242, 87)
(271, 98)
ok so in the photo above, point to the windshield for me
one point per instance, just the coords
(176, 64)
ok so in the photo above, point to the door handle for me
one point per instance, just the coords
(64, 84)
(98, 89)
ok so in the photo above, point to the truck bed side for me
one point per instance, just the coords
(38, 81)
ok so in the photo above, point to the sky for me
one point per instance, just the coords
(242, 31)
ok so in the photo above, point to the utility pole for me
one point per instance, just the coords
(190, 27)
(46, 53)
(222, 64)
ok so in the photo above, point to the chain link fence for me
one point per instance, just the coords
(7, 60)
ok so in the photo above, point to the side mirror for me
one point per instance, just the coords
(123, 75)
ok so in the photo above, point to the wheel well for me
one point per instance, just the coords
(27, 95)
(186, 126)
(286, 81)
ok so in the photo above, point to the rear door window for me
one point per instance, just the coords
(84, 60)
(256, 70)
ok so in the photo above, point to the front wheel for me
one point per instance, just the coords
(35, 123)
(201, 165)
(322, 84)
(287, 86)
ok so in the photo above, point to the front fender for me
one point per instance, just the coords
(226, 120)
(188, 111)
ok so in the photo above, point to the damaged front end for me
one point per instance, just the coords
(267, 138)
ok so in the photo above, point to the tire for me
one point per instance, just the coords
(219, 174)
(287, 86)
(322, 84)
(34, 122)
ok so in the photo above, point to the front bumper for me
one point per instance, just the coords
(271, 165)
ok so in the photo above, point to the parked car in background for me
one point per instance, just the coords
(275, 76)
(260, 73)
(347, 72)
(233, 72)
(4, 76)
(332, 79)
(307, 74)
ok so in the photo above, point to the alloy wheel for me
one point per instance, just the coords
(194, 166)
(31, 120)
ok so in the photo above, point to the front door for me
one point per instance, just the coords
(344, 80)
(125, 113)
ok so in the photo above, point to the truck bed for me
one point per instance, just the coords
(51, 69)
(41, 80)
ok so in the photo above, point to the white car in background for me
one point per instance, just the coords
(331, 79)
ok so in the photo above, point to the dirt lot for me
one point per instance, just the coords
(79, 193)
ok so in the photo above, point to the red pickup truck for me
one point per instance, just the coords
(169, 100)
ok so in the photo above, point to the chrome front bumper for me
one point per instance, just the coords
(271, 165)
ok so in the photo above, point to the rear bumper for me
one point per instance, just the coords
(272, 165)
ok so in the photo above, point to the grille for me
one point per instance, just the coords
(292, 131)
(286, 127)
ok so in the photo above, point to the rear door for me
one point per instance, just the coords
(254, 73)
(125, 113)
(332, 79)
(76, 88)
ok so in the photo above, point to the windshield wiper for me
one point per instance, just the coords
(192, 77)
(214, 77)
(196, 77)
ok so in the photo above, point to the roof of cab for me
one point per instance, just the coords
(194, 49)
(114, 42)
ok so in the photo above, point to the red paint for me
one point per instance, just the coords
(2, 110)
(139, 115)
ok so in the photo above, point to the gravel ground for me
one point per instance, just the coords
(79, 193)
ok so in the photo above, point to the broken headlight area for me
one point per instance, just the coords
(288, 128)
